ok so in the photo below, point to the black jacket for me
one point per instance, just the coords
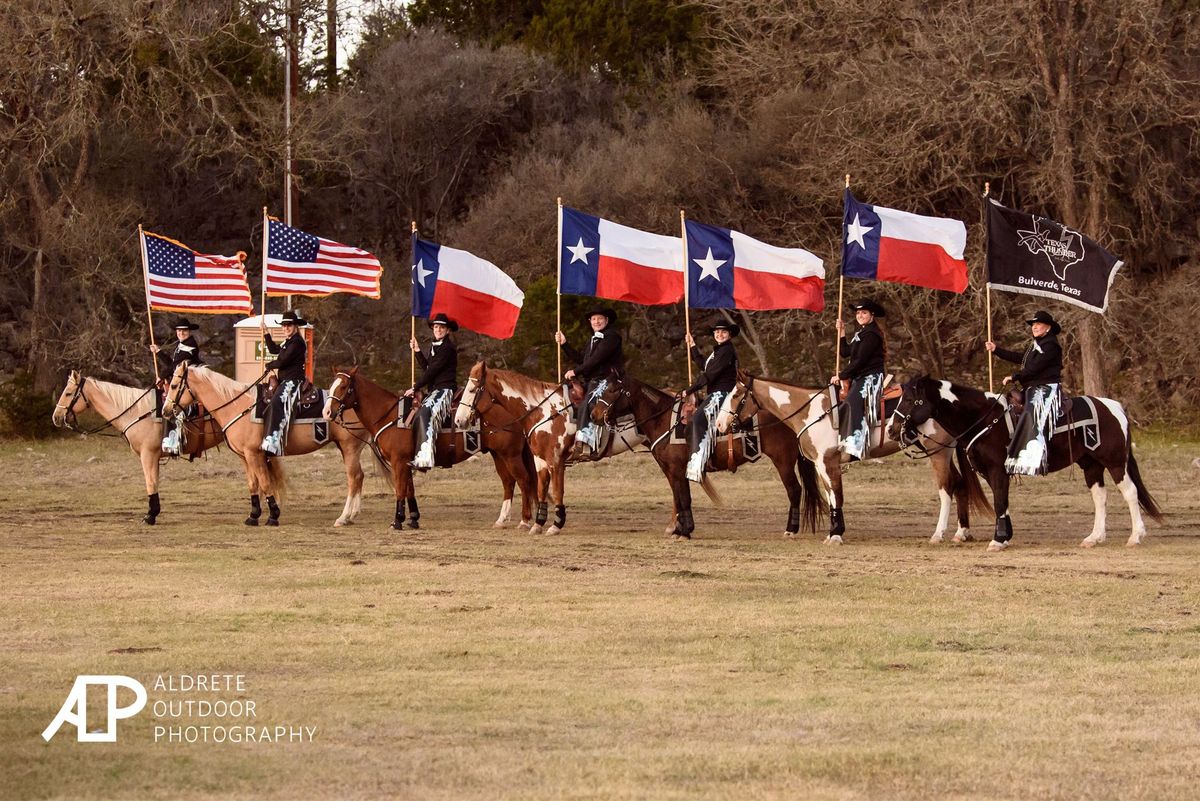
(1041, 363)
(719, 369)
(186, 351)
(864, 351)
(602, 354)
(291, 357)
(440, 368)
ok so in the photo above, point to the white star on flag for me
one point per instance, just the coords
(856, 231)
(419, 267)
(579, 252)
(708, 267)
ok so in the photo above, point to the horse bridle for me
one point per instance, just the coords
(69, 418)
(910, 437)
(71, 421)
(481, 388)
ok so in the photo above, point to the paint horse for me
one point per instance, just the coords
(505, 401)
(1092, 432)
(391, 439)
(132, 412)
(653, 419)
(232, 403)
(809, 413)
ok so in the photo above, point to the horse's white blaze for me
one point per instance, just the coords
(725, 415)
(327, 412)
(1099, 498)
(945, 392)
(779, 396)
(462, 416)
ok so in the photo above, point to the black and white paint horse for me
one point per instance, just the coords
(1092, 432)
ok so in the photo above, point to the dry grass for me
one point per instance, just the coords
(460, 662)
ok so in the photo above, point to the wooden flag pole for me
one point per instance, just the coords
(412, 318)
(149, 318)
(837, 345)
(558, 296)
(262, 315)
(687, 303)
(987, 188)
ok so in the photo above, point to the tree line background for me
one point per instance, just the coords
(472, 116)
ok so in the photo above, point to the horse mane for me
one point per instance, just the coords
(124, 396)
(220, 381)
(512, 374)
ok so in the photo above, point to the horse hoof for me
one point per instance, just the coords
(535, 529)
(499, 524)
(679, 535)
(553, 530)
(339, 523)
(251, 521)
(148, 520)
(937, 539)
(789, 534)
(834, 539)
(523, 525)
(396, 526)
(1132, 543)
(962, 535)
(413, 524)
(1089, 543)
(272, 521)
(994, 546)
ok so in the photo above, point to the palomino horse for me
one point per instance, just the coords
(130, 411)
(509, 402)
(809, 414)
(653, 418)
(231, 403)
(394, 445)
(1095, 435)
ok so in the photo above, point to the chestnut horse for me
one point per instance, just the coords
(509, 402)
(653, 412)
(131, 412)
(232, 403)
(809, 414)
(1093, 434)
(393, 443)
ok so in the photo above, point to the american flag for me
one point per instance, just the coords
(180, 279)
(303, 264)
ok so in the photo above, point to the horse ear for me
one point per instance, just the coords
(354, 371)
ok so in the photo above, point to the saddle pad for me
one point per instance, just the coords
(305, 413)
(1080, 413)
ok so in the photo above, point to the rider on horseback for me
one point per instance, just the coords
(1039, 376)
(602, 355)
(864, 371)
(186, 350)
(440, 378)
(289, 362)
(719, 374)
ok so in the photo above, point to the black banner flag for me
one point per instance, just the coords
(1037, 256)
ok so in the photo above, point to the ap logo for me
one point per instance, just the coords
(74, 709)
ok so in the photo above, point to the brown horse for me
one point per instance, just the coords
(231, 403)
(809, 414)
(1094, 434)
(393, 443)
(653, 412)
(509, 402)
(131, 412)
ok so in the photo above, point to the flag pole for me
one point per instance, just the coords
(262, 315)
(687, 311)
(412, 318)
(987, 188)
(837, 345)
(558, 295)
(149, 318)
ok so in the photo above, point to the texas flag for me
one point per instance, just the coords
(471, 291)
(889, 245)
(729, 270)
(607, 260)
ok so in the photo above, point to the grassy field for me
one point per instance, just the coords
(462, 662)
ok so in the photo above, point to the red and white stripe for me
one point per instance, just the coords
(338, 268)
(638, 266)
(219, 287)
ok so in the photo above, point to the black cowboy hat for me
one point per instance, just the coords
(871, 306)
(1043, 316)
(183, 322)
(604, 311)
(733, 328)
(292, 317)
(441, 317)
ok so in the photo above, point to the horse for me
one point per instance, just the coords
(505, 401)
(809, 414)
(653, 420)
(1096, 442)
(231, 403)
(393, 443)
(131, 411)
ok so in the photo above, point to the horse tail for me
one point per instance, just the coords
(1145, 499)
(527, 460)
(276, 479)
(976, 500)
(711, 491)
(812, 510)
